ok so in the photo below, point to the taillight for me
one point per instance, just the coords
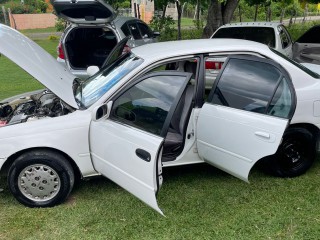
(60, 51)
(214, 65)
(126, 49)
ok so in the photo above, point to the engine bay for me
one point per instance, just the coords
(34, 107)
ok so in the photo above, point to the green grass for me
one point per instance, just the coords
(39, 30)
(14, 80)
(199, 201)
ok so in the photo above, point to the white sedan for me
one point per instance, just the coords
(152, 108)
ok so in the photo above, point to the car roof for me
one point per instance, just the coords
(156, 51)
(121, 20)
(252, 24)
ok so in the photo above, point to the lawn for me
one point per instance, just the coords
(199, 201)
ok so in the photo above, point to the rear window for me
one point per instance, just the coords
(263, 35)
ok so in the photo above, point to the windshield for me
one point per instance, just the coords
(303, 68)
(96, 86)
(263, 35)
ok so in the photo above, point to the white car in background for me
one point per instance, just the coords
(150, 108)
(275, 35)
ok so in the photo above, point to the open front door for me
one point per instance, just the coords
(126, 146)
(307, 47)
(246, 114)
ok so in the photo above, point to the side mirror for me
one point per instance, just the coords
(102, 111)
(91, 70)
(156, 34)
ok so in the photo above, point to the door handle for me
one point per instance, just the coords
(144, 155)
(263, 135)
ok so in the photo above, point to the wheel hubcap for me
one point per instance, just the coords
(39, 182)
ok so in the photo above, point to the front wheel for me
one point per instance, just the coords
(295, 154)
(41, 178)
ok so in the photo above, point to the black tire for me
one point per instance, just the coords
(295, 155)
(41, 178)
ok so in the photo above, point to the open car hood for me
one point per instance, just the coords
(38, 63)
(84, 11)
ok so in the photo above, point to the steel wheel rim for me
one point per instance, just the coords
(39, 182)
(293, 155)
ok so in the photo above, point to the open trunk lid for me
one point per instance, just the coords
(84, 11)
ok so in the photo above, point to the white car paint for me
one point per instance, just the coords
(38, 63)
(237, 131)
(313, 67)
(112, 144)
(109, 148)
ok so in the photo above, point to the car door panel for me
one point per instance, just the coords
(238, 139)
(126, 147)
(246, 113)
(309, 53)
(136, 175)
(307, 47)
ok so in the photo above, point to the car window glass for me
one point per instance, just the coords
(97, 85)
(280, 105)
(265, 35)
(213, 65)
(284, 38)
(145, 30)
(247, 85)
(125, 30)
(146, 104)
(135, 33)
(311, 36)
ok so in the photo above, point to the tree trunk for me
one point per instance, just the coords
(256, 12)
(305, 14)
(179, 10)
(198, 11)
(164, 9)
(240, 13)
(268, 13)
(219, 13)
(282, 14)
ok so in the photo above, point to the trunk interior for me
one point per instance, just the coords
(89, 46)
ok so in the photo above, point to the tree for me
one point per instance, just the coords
(220, 12)
(256, 4)
(161, 5)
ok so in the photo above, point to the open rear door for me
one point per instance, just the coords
(246, 114)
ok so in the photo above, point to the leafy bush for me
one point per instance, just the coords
(163, 25)
(39, 5)
(52, 37)
(297, 29)
(185, 34)
(18, 8)
(60, 25)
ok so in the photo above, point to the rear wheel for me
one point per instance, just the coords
(41, 178)
(295, 155)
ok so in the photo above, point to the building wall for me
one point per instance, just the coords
(146, 9)
(32, 21)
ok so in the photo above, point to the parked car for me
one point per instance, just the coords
(150, 108)
(94, 31)
(305, 50)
